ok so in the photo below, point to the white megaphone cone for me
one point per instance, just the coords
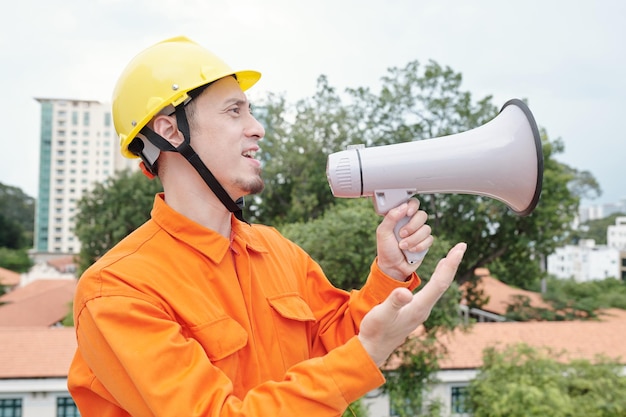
(502, 159)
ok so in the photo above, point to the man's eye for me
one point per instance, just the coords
(235, 109)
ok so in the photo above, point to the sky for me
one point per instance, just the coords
(567, 58)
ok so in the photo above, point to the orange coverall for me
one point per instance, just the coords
(177, 320)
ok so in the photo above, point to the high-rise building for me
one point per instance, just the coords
(616, 234)
(588, 261)
(585, 261)
(78, 148)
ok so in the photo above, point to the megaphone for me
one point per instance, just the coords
(501, 159)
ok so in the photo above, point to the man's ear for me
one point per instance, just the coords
(166, 127)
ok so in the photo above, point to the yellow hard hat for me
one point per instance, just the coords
(160, 76)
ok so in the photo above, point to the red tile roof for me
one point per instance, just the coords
(9, 278)
(580, 339)
(40, 303)
(502, 295)
(63, 263)
(36, 352)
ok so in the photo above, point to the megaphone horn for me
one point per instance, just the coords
(501, 159)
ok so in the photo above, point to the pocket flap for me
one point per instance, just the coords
(292, 306)
(221, 337)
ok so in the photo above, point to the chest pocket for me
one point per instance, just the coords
(220, 338)
(293, 319)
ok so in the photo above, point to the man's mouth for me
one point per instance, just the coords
(249, 154)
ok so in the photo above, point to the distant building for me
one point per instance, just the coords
(78, 148)
(616, 234)
(33, 371)
(616, 238)
(36, 351)
(585, 262)
(588, 261)
(600, 211)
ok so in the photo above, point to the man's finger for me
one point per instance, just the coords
(442, 277)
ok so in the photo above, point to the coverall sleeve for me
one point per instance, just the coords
(131, 345)
(339, 317)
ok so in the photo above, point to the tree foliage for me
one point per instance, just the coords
(342, 241)
(16, 260)
(415, 102)
(294, 155)
(591, 295)
(522, 381)
(17, 216)
(571, 300)
(110, 211)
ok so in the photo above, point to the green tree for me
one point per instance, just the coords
(11, 233)
(110, 211)
(356, 409)
(590, 295)
(415, 102)
(15, 260)
(17, 216)
(571, 300)
(342, 241)
(525, 381)
(294, 155)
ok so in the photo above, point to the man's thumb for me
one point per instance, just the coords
(399, 298)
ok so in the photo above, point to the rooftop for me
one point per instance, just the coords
(9, 278)
(36, 352)
(502, 295)
(579, 339)
(41, 303)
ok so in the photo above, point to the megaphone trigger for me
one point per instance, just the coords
(385, 200)
(411, 257)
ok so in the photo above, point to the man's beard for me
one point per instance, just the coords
(253, 186)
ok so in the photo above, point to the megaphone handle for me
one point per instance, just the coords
(411, 257)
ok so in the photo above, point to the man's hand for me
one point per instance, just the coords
(388, 324)
(415, 237)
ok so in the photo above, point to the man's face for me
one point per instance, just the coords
(225, 135)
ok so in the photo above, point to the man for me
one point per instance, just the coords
(198, 313)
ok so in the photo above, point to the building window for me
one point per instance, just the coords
(66, 407)
(459, 403)
(11, 407)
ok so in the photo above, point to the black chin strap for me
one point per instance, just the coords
(192, 157)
